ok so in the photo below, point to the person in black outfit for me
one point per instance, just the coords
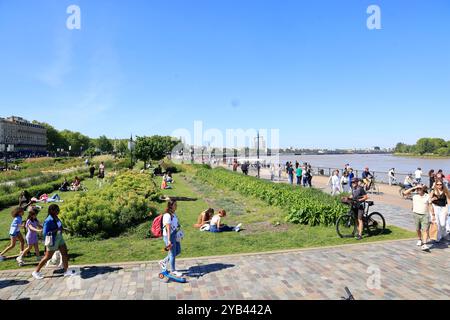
(92, 171)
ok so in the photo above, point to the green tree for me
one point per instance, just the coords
(104, 144)
(154, 147)
(54, 138)
(424, 145)
(76, 141)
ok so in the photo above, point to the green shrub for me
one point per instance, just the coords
(304, 205)
(124, 203)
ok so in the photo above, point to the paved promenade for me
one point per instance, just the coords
(389, 270)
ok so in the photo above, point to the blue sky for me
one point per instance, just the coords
(309, 68)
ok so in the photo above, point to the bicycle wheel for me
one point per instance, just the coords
(375, 224)
(346, 226)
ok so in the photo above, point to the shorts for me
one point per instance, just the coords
(15, 234)
(359, 213)
(59, 241)
(422, 221)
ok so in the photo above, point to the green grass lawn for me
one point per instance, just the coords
(263, 230)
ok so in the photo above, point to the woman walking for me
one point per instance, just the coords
(170, 229)
(439, 210)
(52, 230)
(431, 177)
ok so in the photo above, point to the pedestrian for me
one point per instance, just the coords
(290, 172)
(439, 210)
(431, 176)
(171, 228)
(335, 183)
(14, 233)
(344, 182)
(92, 171)
(418, 175)
(305, 174)
(280, 171)
(52, 232)
(421, 211)
(33, 227)
(272, 172)
(101, 170)
(391, 176)
(309, 174)
(298, 173)
(351, 176)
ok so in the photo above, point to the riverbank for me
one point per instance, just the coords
(421, 156)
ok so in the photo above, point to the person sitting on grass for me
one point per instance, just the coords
(25, 199)
(64, 186)
(165, 185)
(14, 232)
(33, 227)
(76, 184)
(204, 218)
(216, 226)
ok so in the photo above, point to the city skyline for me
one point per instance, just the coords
(314, 71)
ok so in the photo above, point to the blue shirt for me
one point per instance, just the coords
(15, 225)
(51, 226)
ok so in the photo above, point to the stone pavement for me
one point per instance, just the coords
(383, 270)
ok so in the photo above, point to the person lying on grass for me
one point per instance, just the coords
(14, 232)
(216, 226)
(204, 218)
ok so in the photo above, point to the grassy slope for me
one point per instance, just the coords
(258, 218)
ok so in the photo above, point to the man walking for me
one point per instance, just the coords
(421, 211)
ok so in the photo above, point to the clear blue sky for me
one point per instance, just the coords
(309, 68)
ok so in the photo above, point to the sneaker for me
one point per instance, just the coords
(37, 275)
(163, 264)
(19, 260)
(177, 273)
(425, 247)
(238, 227)
(419, 243)
(69, 273)
(358, 237)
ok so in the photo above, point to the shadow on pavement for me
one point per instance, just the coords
(201, 270)
(91, 272)
(10, 283)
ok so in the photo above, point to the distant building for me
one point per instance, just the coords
(20, 135)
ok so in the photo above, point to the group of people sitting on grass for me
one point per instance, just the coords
(167, 180)
(208, 221)
(26, 200)
(51, 230)
(74, 186)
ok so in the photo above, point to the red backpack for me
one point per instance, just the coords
(157, 226)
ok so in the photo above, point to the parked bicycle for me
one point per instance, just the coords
(403, 188)
(346, 225)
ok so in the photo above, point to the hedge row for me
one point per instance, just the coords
(304, 205)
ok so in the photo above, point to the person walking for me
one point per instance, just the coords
(92, 171)
(272, 172)
(298, 174)
(52, 230)
(101, 170)
(351, 176)
(344, 182)
(391, 176)
(418, 175)
(421, 211)
(309, 174)
(439, 211)
(431, 177)
(280, 171)
(290, 172)
(171, 228)
(335, 183)
(14, 233)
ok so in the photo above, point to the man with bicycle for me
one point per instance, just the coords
(367, 178)
(359, 195)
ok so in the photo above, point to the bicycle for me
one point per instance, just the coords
(373, 187)
(373, 223)
(403, 188)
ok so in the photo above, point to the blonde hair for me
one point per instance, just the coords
(222, 213)
(444, 188)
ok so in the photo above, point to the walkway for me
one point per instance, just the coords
(390, 270)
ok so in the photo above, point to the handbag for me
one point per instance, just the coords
(48, 240)
(433, 231)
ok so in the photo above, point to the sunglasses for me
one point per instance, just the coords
(439, 184)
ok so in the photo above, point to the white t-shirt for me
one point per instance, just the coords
(335, 181)
(418, 174)
(173, 221)
(215, 219)
(421, 204)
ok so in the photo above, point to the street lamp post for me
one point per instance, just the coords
(257, 154)
(131, 148)
(203, 150)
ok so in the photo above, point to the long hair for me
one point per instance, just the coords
(16, 211)
(32, 212)
(170, 206)
(53, 210)
(444, 188)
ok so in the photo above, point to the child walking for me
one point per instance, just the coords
(14, 233)
(33, 227)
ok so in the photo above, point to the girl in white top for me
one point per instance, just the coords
(170, 230)
(216, 226)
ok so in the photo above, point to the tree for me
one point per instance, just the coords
(54, 138)
(104, 144)
(424, 145)
(76, 140)
(154, 147)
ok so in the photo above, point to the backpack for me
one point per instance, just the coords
(157, 226)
